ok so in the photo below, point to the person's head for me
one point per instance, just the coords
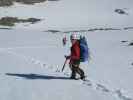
(74, 37)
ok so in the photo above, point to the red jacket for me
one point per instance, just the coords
(75, 52)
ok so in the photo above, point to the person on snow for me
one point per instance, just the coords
(74, 57)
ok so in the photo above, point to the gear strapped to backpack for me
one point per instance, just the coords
(84, 50)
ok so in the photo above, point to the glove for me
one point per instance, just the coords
(67, 57)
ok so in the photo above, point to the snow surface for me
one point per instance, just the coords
(31, 59)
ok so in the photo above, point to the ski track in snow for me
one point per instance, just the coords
(96, 86)
(29, 59)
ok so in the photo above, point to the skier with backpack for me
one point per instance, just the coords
(77, 55)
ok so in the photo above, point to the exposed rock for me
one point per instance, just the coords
(53, 31)
(127, 28)
(124, 41)
(121, 11)
(131, 44)
(29, 1)
(10, 21)
(10, 2)
(6, 2)
(6, 28)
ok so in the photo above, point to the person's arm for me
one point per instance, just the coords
(67, 57)
(76, 55)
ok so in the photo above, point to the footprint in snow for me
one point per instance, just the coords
(102, 88)
(87, 82)
(121, 95)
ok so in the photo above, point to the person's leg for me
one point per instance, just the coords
(80, 72)
(73, 74)
(78, 69)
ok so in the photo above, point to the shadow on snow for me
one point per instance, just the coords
(36, 76)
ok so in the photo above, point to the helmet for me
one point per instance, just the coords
(75, 36)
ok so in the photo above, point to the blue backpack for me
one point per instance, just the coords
(84, 50)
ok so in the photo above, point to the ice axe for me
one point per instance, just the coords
(64, 65)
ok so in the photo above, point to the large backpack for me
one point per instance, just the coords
(84, 50)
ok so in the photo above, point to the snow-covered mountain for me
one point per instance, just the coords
(31, 56)
(72, 14)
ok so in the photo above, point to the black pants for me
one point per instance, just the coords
(76, 69)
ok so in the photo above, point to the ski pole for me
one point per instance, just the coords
(64, 65)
